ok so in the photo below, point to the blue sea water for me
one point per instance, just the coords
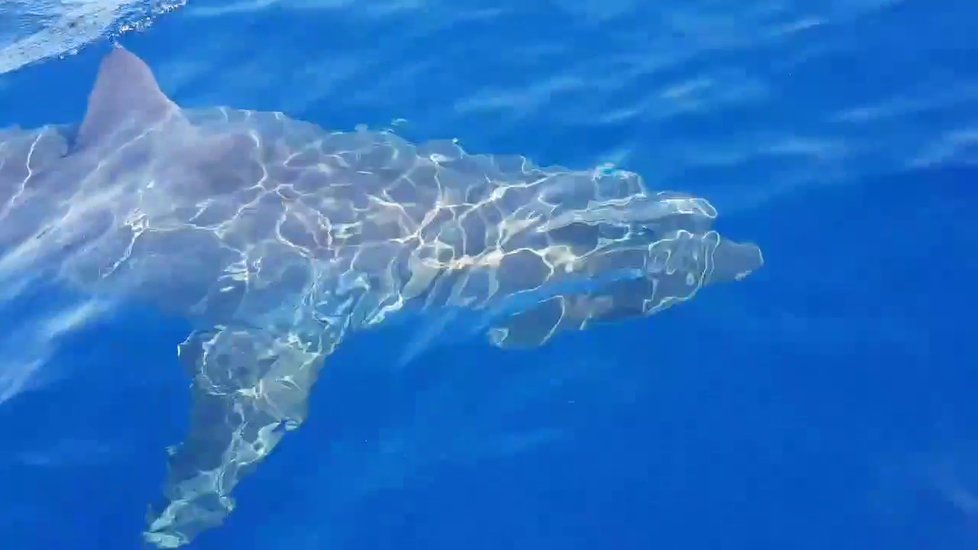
(827, 401)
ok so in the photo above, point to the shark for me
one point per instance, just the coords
(277, 239)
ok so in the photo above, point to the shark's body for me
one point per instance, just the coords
(277, 239)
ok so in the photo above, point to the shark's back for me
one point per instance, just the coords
(24, 156)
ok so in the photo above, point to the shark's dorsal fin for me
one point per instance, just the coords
(126, 98)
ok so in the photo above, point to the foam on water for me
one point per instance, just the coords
(33, 30)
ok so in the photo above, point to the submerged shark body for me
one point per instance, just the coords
(277, 239)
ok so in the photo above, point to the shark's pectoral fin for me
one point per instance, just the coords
(249, 387)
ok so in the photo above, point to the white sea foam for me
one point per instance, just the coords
(33, 30)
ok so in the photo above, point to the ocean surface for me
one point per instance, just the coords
(827, 401)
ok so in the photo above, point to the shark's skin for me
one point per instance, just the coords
(277, 239)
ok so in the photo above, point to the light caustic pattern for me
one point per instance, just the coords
(278, 238)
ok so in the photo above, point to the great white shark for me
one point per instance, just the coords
(277, 239)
